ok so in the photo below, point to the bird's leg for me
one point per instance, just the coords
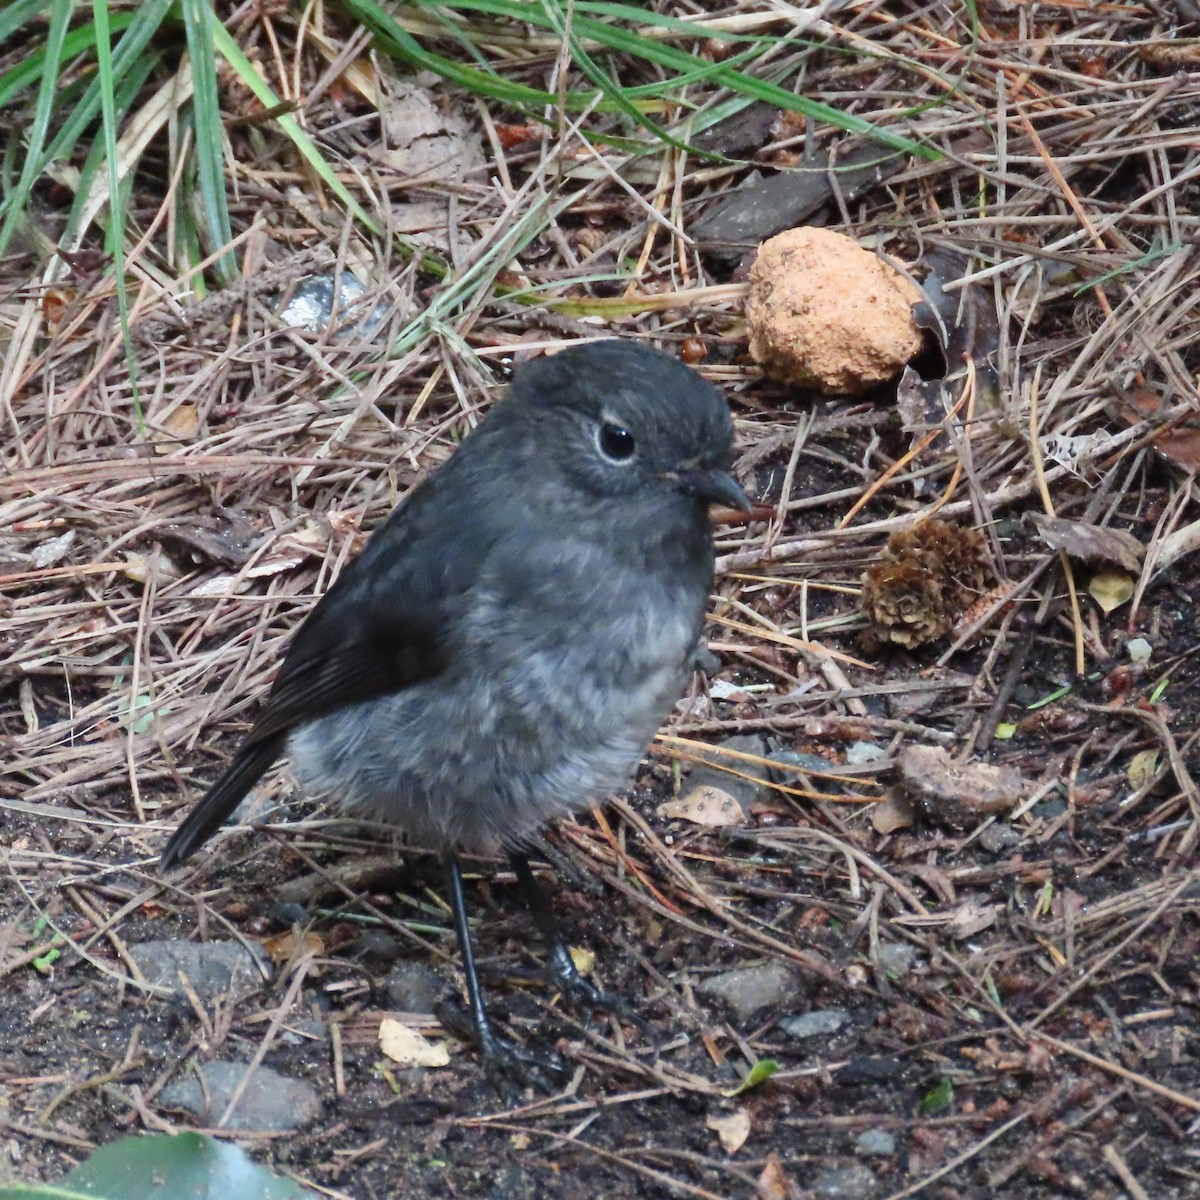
(500, 1056)
(565, 974)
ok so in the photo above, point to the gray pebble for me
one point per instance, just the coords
(271, 1102)
(297, 1033)
(792, 762)
(815, 1023)
(855, 1182)
(998, 838)
(748, 991)
(896, 958)
(744, 791)
(1050, 808)
(864, 752)
(377, 945)
(412, 987)
(878, 1143)
(212, 968)
(285, 914)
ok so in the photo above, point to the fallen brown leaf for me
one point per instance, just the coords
(704, 806)
(407, 1047)
(1092, 543)
(732, 1130)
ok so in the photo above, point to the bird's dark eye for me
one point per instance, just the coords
(616, 442)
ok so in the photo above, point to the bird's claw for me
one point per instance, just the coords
(579, 993)
(506, 1062)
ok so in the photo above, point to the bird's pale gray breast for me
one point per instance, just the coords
(567, 658)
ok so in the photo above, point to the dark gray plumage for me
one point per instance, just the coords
(505, 646)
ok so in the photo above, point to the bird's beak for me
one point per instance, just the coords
(719, 487)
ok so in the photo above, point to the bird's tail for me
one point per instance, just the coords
(221, 799)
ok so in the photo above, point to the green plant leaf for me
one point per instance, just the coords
(759, 1074)
(165, 1167)
(938, 1099)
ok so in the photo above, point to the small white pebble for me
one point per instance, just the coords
(864, 752)
(1139, 650)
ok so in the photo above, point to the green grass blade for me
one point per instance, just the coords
(603, 81)
(15, 15)
(209, 149)
(128, 88)
(691, 29)
(398, 42)
(232, 53)
(78, 41)
(613, 38)
(143, 25)
(60, 18)
(484, 83)
(702, 74)
(747, 85)
(116, 210)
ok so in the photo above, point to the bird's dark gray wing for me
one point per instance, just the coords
(382, 627)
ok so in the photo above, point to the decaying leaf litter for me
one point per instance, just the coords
(1004, 1000)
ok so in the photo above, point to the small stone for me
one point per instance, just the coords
(956, 794)
(824, 312)
(1139, 650)
(286, 914)
(855, 1182)
(212, 968)
(814, 1024)
(297, 1033)
(270, 1102)
(864, 752)
(876, 1143)
(413, 988)
(999, 838)
(896, 958)
(793, 762)
(377, 945)
(748, 991)
(1049, 809)
(745, 791)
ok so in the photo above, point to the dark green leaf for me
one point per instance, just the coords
(939, 1099)
(165, 1167)
(759, 1074)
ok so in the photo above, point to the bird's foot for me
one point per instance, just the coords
(506, 1062)
(580, 993)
